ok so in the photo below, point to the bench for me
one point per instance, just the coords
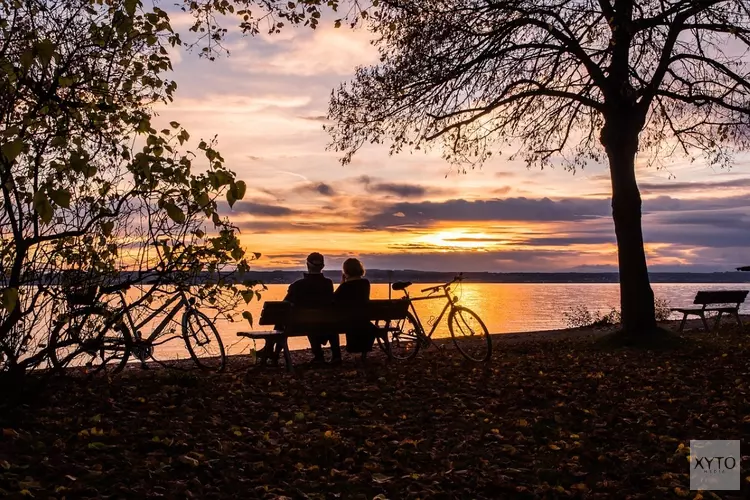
(297, 321)
(719, 301)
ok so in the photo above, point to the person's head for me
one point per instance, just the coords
(353, 268)
(315, 263)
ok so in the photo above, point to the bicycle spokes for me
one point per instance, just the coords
(470, 335)
(203, 341)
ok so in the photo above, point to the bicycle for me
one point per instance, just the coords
(100, 336)
(468, 331)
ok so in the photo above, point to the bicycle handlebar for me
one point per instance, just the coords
(460, 277)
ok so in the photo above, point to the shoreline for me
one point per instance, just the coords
(302, 355)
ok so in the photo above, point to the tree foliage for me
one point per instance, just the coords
(88, 183)
(542, 77)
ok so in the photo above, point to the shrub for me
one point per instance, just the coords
(663, 309)
(580, 316)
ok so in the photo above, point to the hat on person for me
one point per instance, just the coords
(315, 260)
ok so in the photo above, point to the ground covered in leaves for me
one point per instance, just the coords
(551, 419)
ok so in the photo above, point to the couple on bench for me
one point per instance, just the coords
(314, 289)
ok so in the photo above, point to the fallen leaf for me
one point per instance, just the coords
(189, 461)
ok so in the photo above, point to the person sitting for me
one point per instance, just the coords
(354, 290)
(312, 290)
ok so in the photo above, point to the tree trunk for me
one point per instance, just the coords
(636, 296)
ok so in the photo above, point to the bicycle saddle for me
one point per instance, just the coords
(401, 285)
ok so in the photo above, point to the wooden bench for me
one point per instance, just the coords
(718, 301)
(294, 321)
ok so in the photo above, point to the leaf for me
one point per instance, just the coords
(61, 197)
(9, 301)
(130, 6)
(189, 461)
(45, 49)
(240, 188)
(249, 317)
(231, 198)
(97, 445)
(12, 149)
(107, 228)
(43, 207)
(174, 124)
(174, 212)
(202, 199)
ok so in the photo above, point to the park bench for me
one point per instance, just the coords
(296, 321)
(718, 301)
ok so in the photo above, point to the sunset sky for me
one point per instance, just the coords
(267, 102)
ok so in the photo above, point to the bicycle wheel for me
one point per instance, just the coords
(86, 338)
(469, 334)
(203, 341)
(404, 337)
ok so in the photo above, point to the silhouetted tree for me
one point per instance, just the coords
(560, 80)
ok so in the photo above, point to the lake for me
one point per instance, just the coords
(504, 307)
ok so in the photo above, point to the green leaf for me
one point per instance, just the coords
(107, 228)
(96, 445)
(249, 317)
(223, 178)
(9, 299)
(42, 206)
(45, 49)
(230, 198)
(89, 171)
(174, 212)
(239, 189)
(12, 149)
(202, 200)
(130, 6)
(61, 197)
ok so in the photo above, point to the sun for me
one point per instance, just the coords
(461, 239)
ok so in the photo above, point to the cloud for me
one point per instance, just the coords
(324, 51)
(570, 240)
(318, 118)
(511, 260)
(670, 186)
(262, 209)
(401, 190)
(509, 209)
(320, 188)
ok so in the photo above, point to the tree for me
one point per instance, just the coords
(86, 181)
(573, 80)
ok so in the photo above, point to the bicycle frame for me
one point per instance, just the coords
(181, 300)
(451, 304)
